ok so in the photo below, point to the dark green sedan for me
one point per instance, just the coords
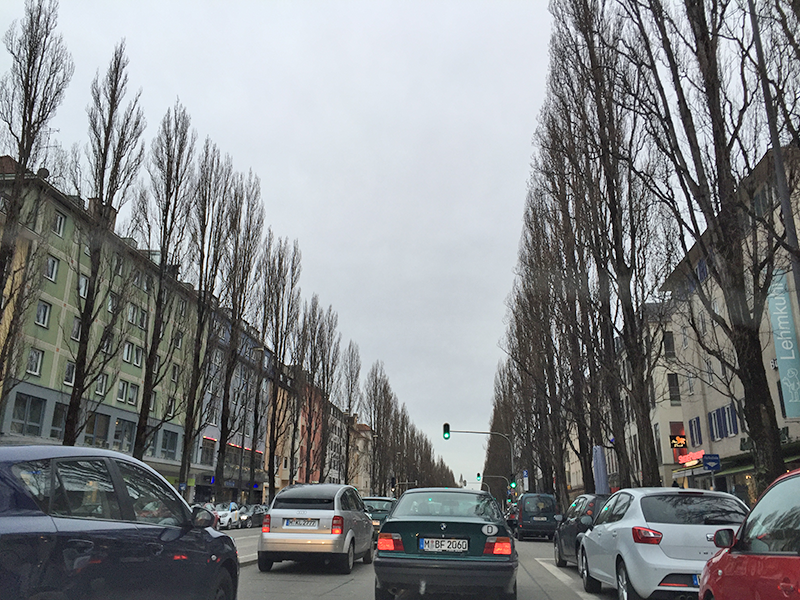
(446, 540)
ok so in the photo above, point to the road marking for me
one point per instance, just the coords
(561, 575)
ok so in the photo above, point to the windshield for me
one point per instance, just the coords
(300, 502)
(535, 505)
(378, 505)
(693, 509)
(447, 504)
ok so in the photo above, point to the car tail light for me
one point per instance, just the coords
(337, 525)
(642, 535)
(391, 542)
(265, 524)
(497, 545)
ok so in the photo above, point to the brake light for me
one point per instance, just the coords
(497, 545)
(642, 535)
(390, 542)
(337, 525)
(265, 524)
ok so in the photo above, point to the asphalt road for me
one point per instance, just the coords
(538, 577)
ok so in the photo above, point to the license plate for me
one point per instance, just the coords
(696, 580)
(540, 518)
(301, 523)
(443, 545)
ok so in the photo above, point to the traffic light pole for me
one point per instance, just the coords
(503, 435)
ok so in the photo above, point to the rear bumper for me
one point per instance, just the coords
(295, 546)
(543, 528)
(444, 575)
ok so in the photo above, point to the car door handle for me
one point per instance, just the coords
(786, 588)
(154, 548)
(80, 545)
(614, 534)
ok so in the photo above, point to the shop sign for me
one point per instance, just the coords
(677, 441)
(691, 457)
(785, 339)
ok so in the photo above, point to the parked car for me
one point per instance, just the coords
(536, 516)
(378, 507)
(91, 524)
(228, 513)
(648, 541)
(762, 560)
(443, 540)
(252, 515)
(570, 528)
(316, 521)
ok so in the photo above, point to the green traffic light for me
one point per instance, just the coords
(446, 431)
(479, 476)
(513, 484)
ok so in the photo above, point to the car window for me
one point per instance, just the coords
(605, 512)
(693, 509)
(84, 489)
(374, 505)
(593, 505)
(152, 501)
(35, 477)
(575, 507)
(344, 501)
(301, 502)
(445, 504)
(535, 505)
(620, 508)
(774, 524)
(356, 501)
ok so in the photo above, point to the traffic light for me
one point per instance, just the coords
(446, 431)
(479, 476)
(513, 484)
(394, 483)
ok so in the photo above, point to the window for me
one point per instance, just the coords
(142, 321)
(108, 343)
(153, 502)
(715, 310)
(51, 268)
(695, 434)
(102, 384)
(96, 432)
(133, 393)
(170, 411)
(723, 422)
(69, 374)
(207, 452)
(702, 325)
(122, 391)
(169, 445)
(177, 339)
(176, 371)
(684, 337)
(669, 345)
(83, 286)
(674, 389)
(43, 314)
(35, 358)
(28, 415)
(113, 302)
(132, 313)
(59, 220)
(59, 418)
(773, 526)
(182, 307)
(75, 334)
(127, 352)
(731, 421)
(124, 434)
(690, 384)
(138, 353)
(702, 270)
(84, 489)
(709, 371)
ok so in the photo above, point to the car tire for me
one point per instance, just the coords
(223, 587)
(560, 562)
(512, 595)
(520, 536)
(382, 593)
(264, 564)
(346, 560)
(625, 591)
(249, 523)
(590, 584)
(369, 555)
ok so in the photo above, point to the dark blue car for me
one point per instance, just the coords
(83, 523)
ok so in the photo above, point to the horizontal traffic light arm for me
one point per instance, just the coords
(447, 431)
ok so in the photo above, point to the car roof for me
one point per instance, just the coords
(378, 498)
(312, 490)
(651, 491)
(13, 454)
(428, 490)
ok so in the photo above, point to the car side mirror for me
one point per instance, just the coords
(587, 521)
(202, 518)
(724, 538)
(559, 518)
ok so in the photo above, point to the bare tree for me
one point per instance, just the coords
(330, 354)
(115, 153)
(160, 220)
(350, 399)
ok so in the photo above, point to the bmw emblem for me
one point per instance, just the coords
(443, 526)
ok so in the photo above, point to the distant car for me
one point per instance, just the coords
(762, 560)
(252, 515)
(536, 516)
(228, 513)
(654, 542)
(570, 528)
(446, 540)
(311, 522)
(378, 508)
(91, 524)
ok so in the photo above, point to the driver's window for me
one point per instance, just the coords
(774, 524)
(152, 501)
(620, 508)
(605, 514)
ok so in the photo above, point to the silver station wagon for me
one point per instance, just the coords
(324, 522)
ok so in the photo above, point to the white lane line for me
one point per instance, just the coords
(570, 582)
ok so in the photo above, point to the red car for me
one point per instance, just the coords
(762, 560)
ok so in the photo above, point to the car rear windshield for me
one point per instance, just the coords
(447, 504)
(693, 509)
(304, 502)
(378, 505)
(536, 505)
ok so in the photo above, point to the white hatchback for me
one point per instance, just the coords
(648, 540)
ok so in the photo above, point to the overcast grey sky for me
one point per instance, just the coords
(392, 139)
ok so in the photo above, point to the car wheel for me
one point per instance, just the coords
(264, 565)
(223, 588)
(249, 523)
(560, 562)
(512, 595)
(625, 591)
(520, 536)
(346, 560)
(367, 558)
(590, 584)
(381, 593)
